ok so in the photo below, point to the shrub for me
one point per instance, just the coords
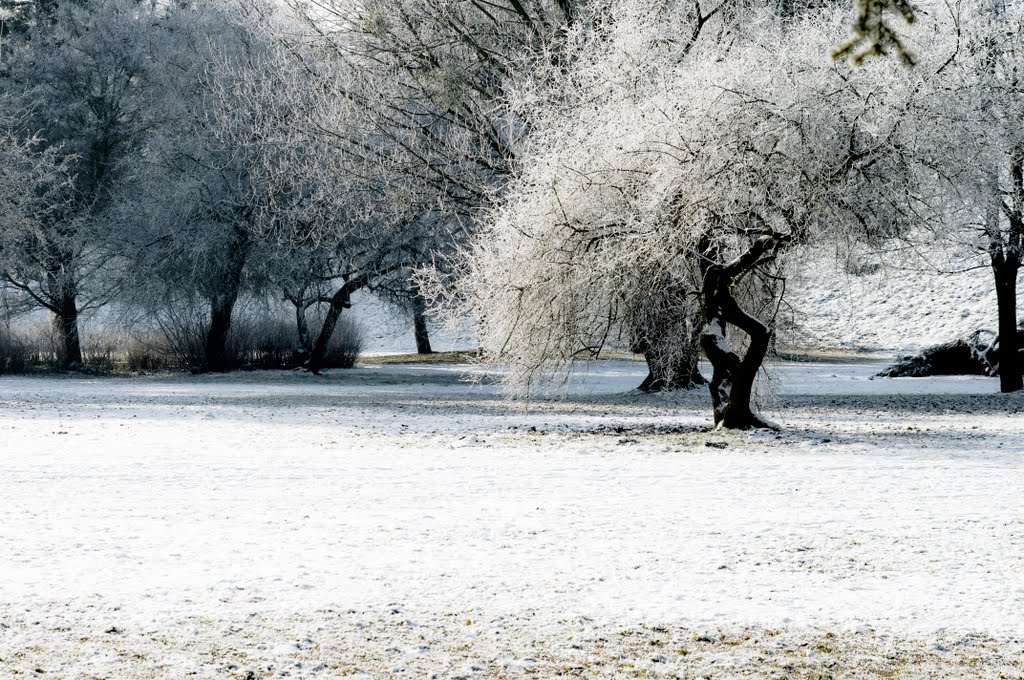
(15, 355)
(262, 341)
(184, 330)
(33, 348)
(345, 345)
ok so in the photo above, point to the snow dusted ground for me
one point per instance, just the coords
(393, 521)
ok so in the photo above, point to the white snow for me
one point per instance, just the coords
(906, 304)
(281, 523)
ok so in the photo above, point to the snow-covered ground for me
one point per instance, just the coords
(394, 521)
(900, 303)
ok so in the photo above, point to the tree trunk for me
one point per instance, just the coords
(302, 330)
(732, 382)
(664, 322)
(222, 305)
(340, 301)
(1005, 269)
(678, 372)
(419, 319)
(65, 320)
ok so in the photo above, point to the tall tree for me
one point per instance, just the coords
(80, 73)
(970, 144)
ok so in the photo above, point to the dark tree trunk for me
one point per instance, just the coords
(419, 320)
(676, 373)
(663, 330)
(1005, 269)
(1006, 257)
(340, 301)
(218, 359)
(732, 382)
(64, 297)
(222, 305)
(302, 330)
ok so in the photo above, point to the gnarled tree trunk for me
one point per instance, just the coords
(732, 382)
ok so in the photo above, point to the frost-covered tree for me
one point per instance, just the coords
(223, 173)
(80, 74)
(431, 79)
(701, 162)
(969, 140)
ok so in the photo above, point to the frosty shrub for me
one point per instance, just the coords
(260, 338)
(29, 348)
(345, 345)
(262, 341)
(184, 330)
(144, 354)
(102, 351)
(15, 354)
(265, 340)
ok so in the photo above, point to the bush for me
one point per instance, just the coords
(259, 339)
(34, 348)
(183, 343)
(345, 345)
(15, 355)
(263, 342)
(267, 342)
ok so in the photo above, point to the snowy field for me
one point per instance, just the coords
(393, 521)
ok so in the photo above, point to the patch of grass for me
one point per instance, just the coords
(453, 357)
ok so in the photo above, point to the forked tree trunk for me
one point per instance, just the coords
(1005, 269)
(419, 320)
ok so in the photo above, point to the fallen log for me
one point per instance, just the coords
(977, 354)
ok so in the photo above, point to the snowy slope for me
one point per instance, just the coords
(904, 305)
